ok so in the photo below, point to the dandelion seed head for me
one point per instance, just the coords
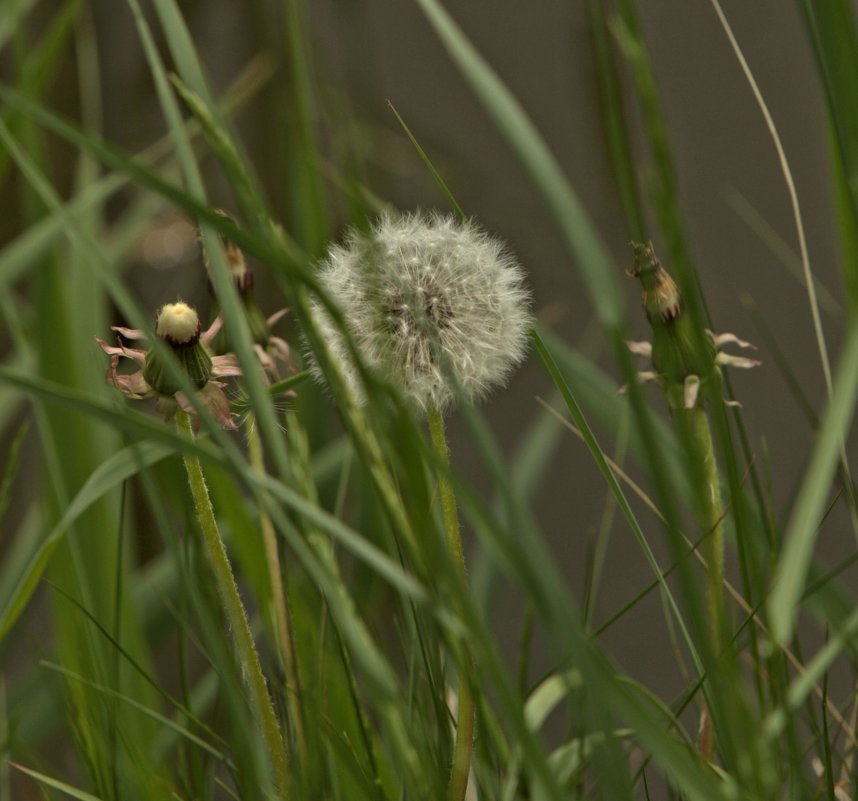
(430, 302)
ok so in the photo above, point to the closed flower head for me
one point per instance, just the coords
(431, 303)
(685, 360)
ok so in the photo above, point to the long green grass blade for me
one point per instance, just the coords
(109, 475)
(614, 119)
(593, 261)
(832, 31)
(613, 485)
(11, 14)
(70, 791)
(10, 469)
(803, 526)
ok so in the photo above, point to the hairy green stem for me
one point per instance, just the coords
(464, 744)
(251, 669)
(279, 599)
(711, 518)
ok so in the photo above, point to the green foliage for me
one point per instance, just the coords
(124, 680)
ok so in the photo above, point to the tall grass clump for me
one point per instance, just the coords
(292, 536)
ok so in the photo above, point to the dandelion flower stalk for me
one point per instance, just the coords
(711, 515)
(465, 719)
(438, 309)
(251, 668)
(178, 327)
(688, 363)
(694, 425)
(270, 351)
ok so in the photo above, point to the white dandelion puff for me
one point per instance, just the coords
(430, 303)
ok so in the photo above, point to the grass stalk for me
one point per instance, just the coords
(464, 743)
(279, 599)
(251, 668)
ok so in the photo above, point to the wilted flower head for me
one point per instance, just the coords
(430, 303)
(273, 352)
(179, 327)
(685, 361)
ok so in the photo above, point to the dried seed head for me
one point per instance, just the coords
(430, 302)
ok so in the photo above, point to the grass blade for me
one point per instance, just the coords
(110, 474)
(579, 235)
(803, 526)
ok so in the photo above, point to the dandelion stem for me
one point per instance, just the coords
(235, 613)
(711, 518)
(279, 599)
(464, 743)
(710, 514)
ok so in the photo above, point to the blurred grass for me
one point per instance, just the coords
(154, 702)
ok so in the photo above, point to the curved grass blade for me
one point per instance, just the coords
(11, 14)
(810, 285)
(803, 526)
(614, 122)
(70, 791)
(614, 486)
(599, 276)
(135, 423)
(12, 464)
(806, 683)
(122, 418)
(429, 165)
(219, 272)
(40, 64)
(579, 235)
(108, 475)
(547, 695)
(142, 708)
(19, 254)
(831, 27)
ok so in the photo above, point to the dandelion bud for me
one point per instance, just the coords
(242, 279)
(676, 351)
(661, 297)
(432, 304)
(686, 362)
(242, 275)
(179, 327)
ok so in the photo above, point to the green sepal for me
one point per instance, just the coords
(677, 352)
(193, 358)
